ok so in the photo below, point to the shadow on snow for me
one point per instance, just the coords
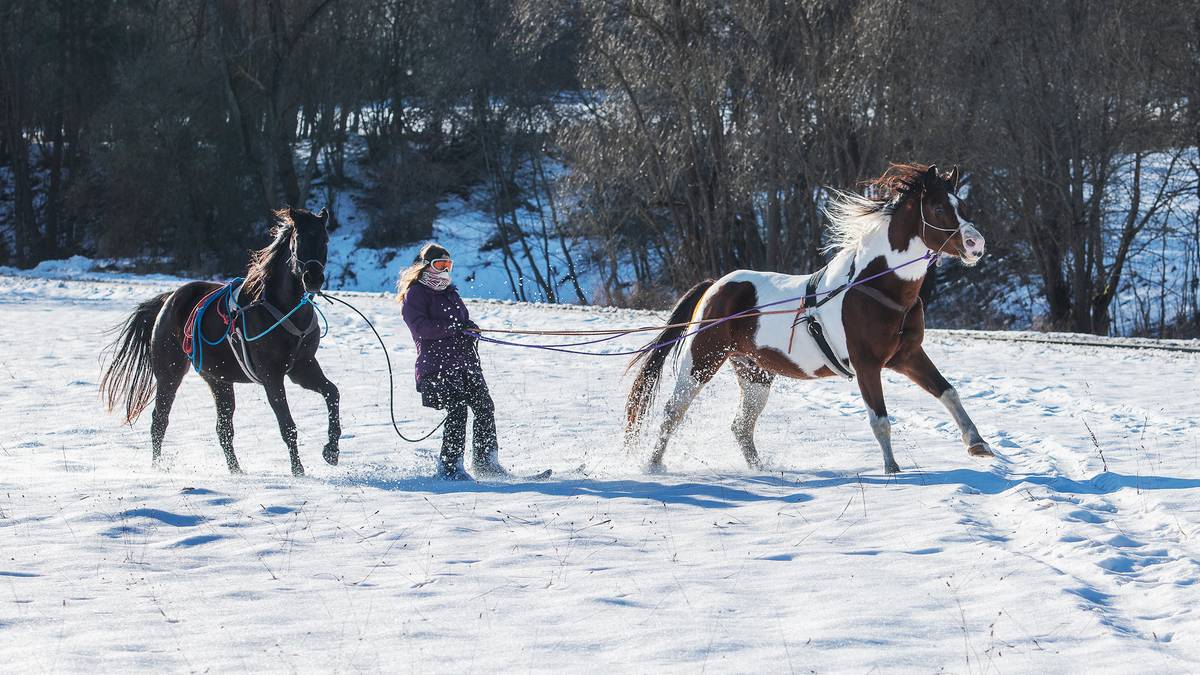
(715, 495)
(986, 482)
(732, 490)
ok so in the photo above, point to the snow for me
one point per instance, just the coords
(1063, 553)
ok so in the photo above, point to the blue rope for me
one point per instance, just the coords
(306, 299)
(226, 293)
(323, 319)
(198, 339)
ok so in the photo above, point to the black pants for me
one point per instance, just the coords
(454, 391)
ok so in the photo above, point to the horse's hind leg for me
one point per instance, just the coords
(308, 374)
(693, 375)
(222, 392)
(277, 397)
(755, 385)
(167, 379)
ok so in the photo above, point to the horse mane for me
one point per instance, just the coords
(262, 260)
(853, 216)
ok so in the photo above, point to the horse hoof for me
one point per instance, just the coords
(980, 449)
(892, 468)
(331, 456)
(236, 471)
(298, 471)
(656, 468)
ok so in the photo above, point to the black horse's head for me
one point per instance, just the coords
(310, 246)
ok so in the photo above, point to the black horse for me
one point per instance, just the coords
(257, 331)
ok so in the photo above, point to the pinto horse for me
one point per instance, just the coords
(242, 336)
(858, 315)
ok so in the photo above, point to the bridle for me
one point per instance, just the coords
(298, 265)
(926, 225)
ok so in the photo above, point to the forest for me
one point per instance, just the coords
(658, 142)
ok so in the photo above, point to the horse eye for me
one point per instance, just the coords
(939, 210)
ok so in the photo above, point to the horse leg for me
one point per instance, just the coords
(871, 388)
(755, 386)
(222, 392)
(920, 369)
(693, 375)
(277, 397)
(308, 374)
(166, 384)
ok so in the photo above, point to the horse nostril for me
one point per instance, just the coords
(971, 243)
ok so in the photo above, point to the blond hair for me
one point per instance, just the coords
(411, 274)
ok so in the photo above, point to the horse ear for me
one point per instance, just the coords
(931, 179)
(953, 178)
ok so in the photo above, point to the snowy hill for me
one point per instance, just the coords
(1075, 549)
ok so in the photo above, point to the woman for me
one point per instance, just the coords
(449, 375)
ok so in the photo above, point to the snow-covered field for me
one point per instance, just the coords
(1075, 550)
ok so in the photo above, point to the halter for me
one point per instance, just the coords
(925, 224)
(301, 264)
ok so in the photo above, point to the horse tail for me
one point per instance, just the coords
(129, 376)
(646, 383)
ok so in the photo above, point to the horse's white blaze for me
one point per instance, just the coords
(973, 241)
(775, 330)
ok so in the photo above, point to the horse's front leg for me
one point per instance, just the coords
(287, 426)
(308, 374)
(871, 387)
(920, 369)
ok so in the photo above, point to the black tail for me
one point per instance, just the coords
(646, 383)
(130, 376)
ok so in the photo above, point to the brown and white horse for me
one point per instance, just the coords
(877, 324)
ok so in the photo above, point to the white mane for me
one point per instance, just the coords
(851, 218)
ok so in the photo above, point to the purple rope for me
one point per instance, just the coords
(563, 347)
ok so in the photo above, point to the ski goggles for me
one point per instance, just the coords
(441, 264)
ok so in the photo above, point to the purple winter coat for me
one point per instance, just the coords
(436, 320)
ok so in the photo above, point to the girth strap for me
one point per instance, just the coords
(804, 315)
(835, 364)
(238, 342)
(879, 296)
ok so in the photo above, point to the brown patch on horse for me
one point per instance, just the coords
(876, 334)
(736, 336)
(774, 361)
(903, 190)
(711, 347)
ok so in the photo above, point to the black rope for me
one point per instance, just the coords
(391, 381)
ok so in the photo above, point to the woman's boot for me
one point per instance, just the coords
(450, 466)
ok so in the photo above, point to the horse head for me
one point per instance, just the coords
(943, 224)
(310, 246)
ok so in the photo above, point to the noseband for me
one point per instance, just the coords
(925, 224)
(301, 264)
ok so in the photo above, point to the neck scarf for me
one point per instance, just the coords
(436, 280)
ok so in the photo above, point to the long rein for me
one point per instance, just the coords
(391, 376)
(704, 324)
(610, 334)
